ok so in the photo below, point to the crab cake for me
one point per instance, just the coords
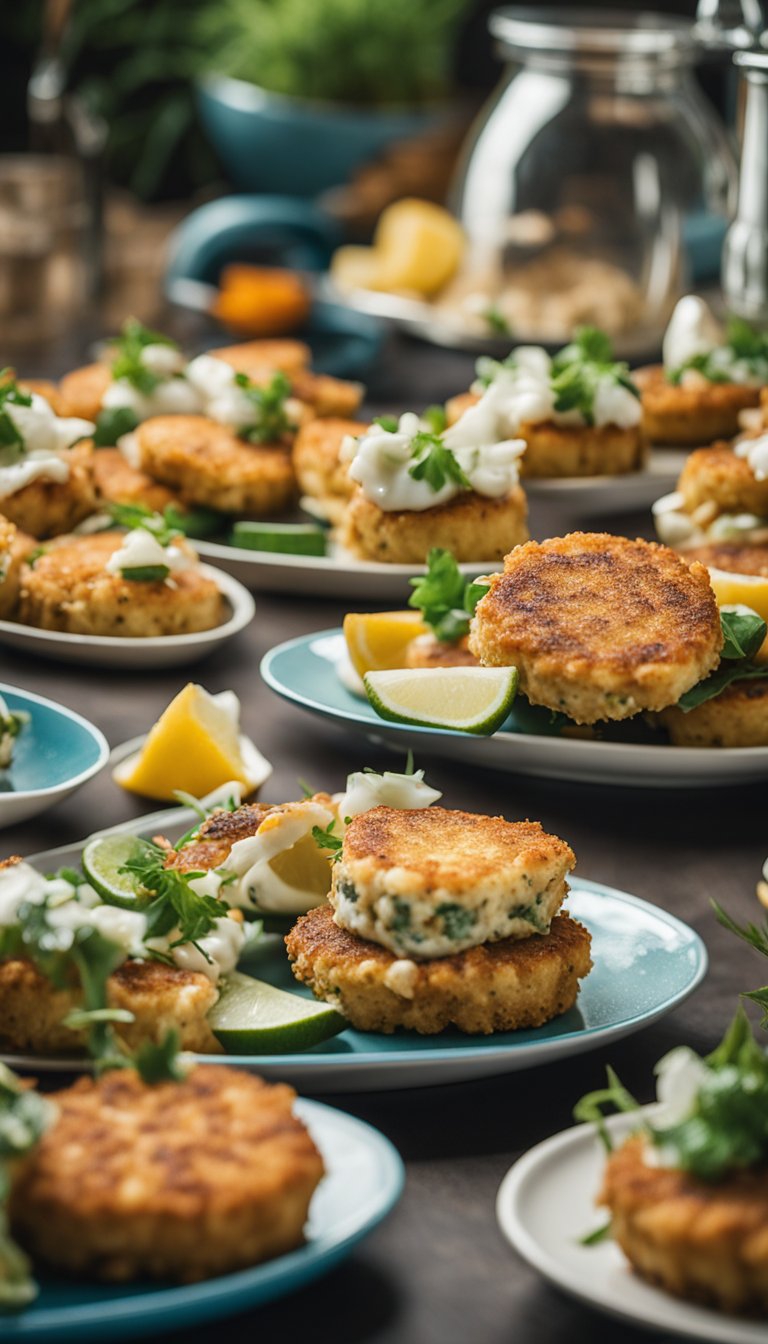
(471, 526)
(719, 478)
(429, 651)
(697, 413)
(159, 996)
(118, 482)
(14, 545)
(599, 627)
(319, 470)
(81, 392)
(501, 986)
(46, 508)
(180, 1180)
(732, 556)
(69, 588)
(212, 844)
(737, 717)
(209, 465)
(704, 1241)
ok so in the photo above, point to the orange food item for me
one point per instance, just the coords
(261, 300)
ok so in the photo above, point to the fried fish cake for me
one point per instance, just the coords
(319, 470)
(180, 1180)
(209, 465)
(260, 360)
(212, 844)
(117, 482)
(698, 413)
(719, 477)
(471, 526)
(69, 588)
(81, 392)
(159, 996)
(734, 557)
(46, 508)
(501, 986)
(737, 717)
(14, 546)
(599, 627)
(703, 1241)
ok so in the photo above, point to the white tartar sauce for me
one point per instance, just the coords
(258, 883)
(755, 451)
(216, 954)
(46, 437)
(365, 790)
(140, 549)
(522, 393)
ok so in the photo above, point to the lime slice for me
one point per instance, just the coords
(465, 699)
(104, 856)
(287, 538)
(253, 1018)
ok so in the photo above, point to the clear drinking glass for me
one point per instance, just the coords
(592, 157)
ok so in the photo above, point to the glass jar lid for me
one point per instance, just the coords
(607, 34)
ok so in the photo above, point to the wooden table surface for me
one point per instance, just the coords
(438, 1270)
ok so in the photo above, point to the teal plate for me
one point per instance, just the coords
(306, 671)
(364, 1179)
(645, 963)
(55, 752)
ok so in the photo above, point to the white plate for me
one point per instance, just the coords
(310, 672)
(667, 961)
(597, 496)
(134, 653)
(55, 752)
(546, 1203)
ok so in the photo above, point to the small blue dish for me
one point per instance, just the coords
(55, 752)
(363, 1181)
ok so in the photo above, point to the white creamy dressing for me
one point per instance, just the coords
(140, 549)
(522, 393)
(46, 437)
(258, 885)
(365, 790)
(679, 1078)
(216, 954)
(694, 330)
(755, 451)
(380, 462)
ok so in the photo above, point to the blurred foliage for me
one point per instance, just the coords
(381, 52)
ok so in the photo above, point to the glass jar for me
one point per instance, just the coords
(590, 163)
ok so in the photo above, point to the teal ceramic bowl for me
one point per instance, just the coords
(274, 143)
(56, 751)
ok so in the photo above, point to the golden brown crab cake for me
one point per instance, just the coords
(211, 847)
(69, 588)
(14, 546)
(319, 470)
(326, 395)
(259, 359)
(718, 477)
(501, 986)
(734, 557)
(701, 1240)
(46, 508)
(737, 717)
(209, 465)
(599, 627)
(471, 526)
(178, 1180)
(699, 412)
(429, 651)
(159, 996)
(117, 482)
(81, 392)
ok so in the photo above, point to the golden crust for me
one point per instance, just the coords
(429, 651)
(159, 996)
(70, 589)
(598, 626)
(319, 472)
(118, 482)
(46, 508)
(327, 395)
(261, 359)
(471, 526)
(733, 556)
(704, 1242)
(178, 1180)
(81, 392)
(14, 546)
(501, 986)
(216, 836)
(690, 415)
(718, 476)
(737, 717)
(208, 464)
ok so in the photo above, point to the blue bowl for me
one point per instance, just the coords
(56, 751)
(274, 143)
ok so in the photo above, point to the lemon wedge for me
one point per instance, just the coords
(745, 590)
(418, 245)
(377, 641)
(355, 267)
(195, 746)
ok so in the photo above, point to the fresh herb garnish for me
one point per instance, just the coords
(24, 1118)
(174, 902)
(34, 556)
(434, 463)
(589, 344)
(744, 633)
(146, 573)
(127, 362)
(444, 596)
(269, 421)
(589, 1110)
(436, 418)
(496, 320)
(386, 422)
(160, 1063)
(326, 839)
(598, 1235)
(11, 438)
(575, 386)
(132, 516)
(112, 423)
(745, 343)
(757, 936)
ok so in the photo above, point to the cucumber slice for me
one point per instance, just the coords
(199, 522)
(146, 573)
(104, 856)
(254, 1018)
(285, 538)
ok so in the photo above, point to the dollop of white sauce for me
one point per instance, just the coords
(755, 452)
(216, 953)
(70, 907)
(46, 437)
(679, 1077)
(365, 790)
(693, 330)
(140, 548)
(19, 882)
(522, 393)
(173, 395)
(258, 884)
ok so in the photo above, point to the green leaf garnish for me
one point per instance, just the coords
(744, 633)
(325, 839)
(444, 597)
(387, 422)
(588, 344)
(160, 1063)
(132, 516)
(269, 421)
(597, 1236)
(435, 464)
(174, 901)
(436, 418)
(496, 320)
(12, 446)
(744, 341)
(589, 1110)
(112, 424)
(146, 573)
(127, 352)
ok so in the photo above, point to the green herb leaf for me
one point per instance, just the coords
(436, 418)
(444, 597)
(722, 677)
(24, 1118)
(744, 632)
(435, 464)
(132, 516)
(175, 903)
(496, 321)
(599, 1235)
(387, 422)
(112, 424)
(589, 1110)
(325, 839)
(160, 1063)
(127, 356)
(457, 919)
(146, 573)
(12, 445)
(588, 344)
(269, 422)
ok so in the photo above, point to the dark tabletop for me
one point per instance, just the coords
(438, 1269)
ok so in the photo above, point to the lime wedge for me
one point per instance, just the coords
(287, 538)
(465, 699)
(253, 1018)
(104, 856)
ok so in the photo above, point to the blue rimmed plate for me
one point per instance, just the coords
(364, 1179)
(645, 963)
(55, 752)
(309, 671)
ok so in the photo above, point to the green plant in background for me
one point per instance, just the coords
(380, 52)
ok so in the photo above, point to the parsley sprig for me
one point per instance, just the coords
(162, 526)
(745, 343)
(173, 903)
(12, 445)
(127, 351)
(328, 840)
(269, 421)
(744, 633)
(24, 1118)
(434, 463)
(446, 599)
(578, 369)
